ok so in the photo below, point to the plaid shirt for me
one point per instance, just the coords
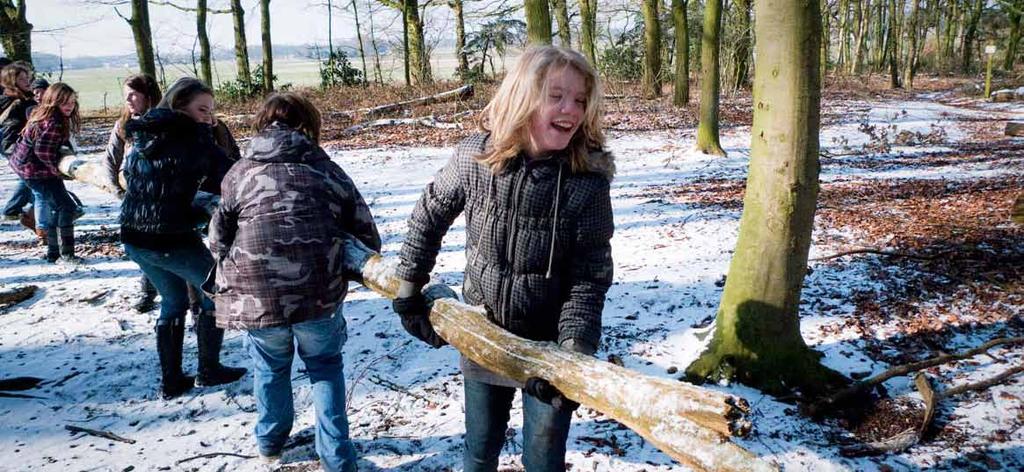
(36, 155)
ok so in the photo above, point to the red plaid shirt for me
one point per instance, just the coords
(36, 154)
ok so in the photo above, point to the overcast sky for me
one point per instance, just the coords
(85, 29)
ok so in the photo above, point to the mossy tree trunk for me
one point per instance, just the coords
(561, 8)
(1013, 40)
(741, 50)
(205, 66)
(757, 330)
(910, 67)
(538, 22)
(707, 128)
(241, 46)
(15, 30)
(970, 34)
(652, 49)
(460, 37)
(419, 62)
(143, 35)
(825, 28)
(588, 29)
(893, 48)
(268, 47)
(681, 89)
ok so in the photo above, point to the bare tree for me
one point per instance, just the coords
(561, 9)
(268, 47)
(15, 30)
(241, 48)
(681, 94)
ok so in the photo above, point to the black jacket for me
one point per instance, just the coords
(531, 287)
(171, 156)
(15, 121)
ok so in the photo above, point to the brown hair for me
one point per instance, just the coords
(9, 80)
(293, 110)
(148, 87)
(54, 96)
(507, 116)
(182, 92)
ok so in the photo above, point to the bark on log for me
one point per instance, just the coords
(1002, 96)
(1015, 128)
(90, 171)
(426, 121)
(689, 423)
(461, 93)
(1017, 214)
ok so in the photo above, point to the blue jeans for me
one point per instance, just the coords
(54, 207)
(545, 429)
(171, 272)
(21, 198)
(319, 343)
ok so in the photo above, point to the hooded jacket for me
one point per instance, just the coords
(15, 120)
(172, 154)
(538, 236)
(278, 234)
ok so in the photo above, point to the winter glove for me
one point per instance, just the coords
(543, 390)
(415, 313)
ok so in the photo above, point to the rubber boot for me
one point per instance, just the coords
(209, 340)
(146, 300)
(52, 243)
(67, 245)
(170, 335)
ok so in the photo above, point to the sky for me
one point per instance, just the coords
(84, 28)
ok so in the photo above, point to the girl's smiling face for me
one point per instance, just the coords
(137, 102)
(69, 105)
(200, 108)
(560, 114)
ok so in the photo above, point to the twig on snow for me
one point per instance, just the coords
(214, 454)
(98, 433)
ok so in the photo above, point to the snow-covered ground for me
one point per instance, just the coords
(405, 400)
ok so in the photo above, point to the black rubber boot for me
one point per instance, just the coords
(209, 339)
(170, 335)
(67, 245)
(52, 243)
(146, 300)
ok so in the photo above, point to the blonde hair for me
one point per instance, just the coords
(49, 108)
(507, 116)
(9, 80)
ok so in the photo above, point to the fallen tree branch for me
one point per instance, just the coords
(213, 454)
(9, 298)
(396, 388)
(983, 384)
(427, 121)
(863, 386)
(881, 252)
(66, 378)
(98, 433)
(461, 93)
(20, 395)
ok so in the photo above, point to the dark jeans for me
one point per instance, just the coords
(545, 429)
(171, 272)
(54, 206)
(21, 198)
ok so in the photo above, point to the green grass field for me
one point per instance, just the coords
(100, 88)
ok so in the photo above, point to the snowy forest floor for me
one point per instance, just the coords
(927, 176)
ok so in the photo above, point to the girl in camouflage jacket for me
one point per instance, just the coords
(534, 188)
(278, 238)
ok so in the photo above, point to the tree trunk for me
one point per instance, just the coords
(826, 30)
(893, 51)
(241, 48)
(861, 14)
(681, 89)
(359, 38)
(143, 37)
(562, 18)
(16, 31)
(419, 63)
(652, 49)
(844, 34)
(881, 34)
(910, 67)
(707, 128)
(378, 74)
(1014, 39)
(268, 47)
(757, 330)
(460, 38)
(205, 66)
(970, 32)
(588, 29)
(741, 73)
(538, 22)
(405, 46)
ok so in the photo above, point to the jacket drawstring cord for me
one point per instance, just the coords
(554, 222)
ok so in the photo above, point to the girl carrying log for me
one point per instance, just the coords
(278, 238)
(35, 160)
(172, 154)
(534, 187)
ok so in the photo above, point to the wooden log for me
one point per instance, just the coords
(1014, 128)
(1002, 96)
(426, 121)
(689, 423)
(90, 171)
(461, 93)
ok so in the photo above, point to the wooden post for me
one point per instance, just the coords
(990, 51)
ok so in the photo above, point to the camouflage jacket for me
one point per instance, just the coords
(537, 240)
(277, 235)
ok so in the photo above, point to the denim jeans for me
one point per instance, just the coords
(319, 344)
(171, 272)
(545, 429)
(54, 206)
(21, 198)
